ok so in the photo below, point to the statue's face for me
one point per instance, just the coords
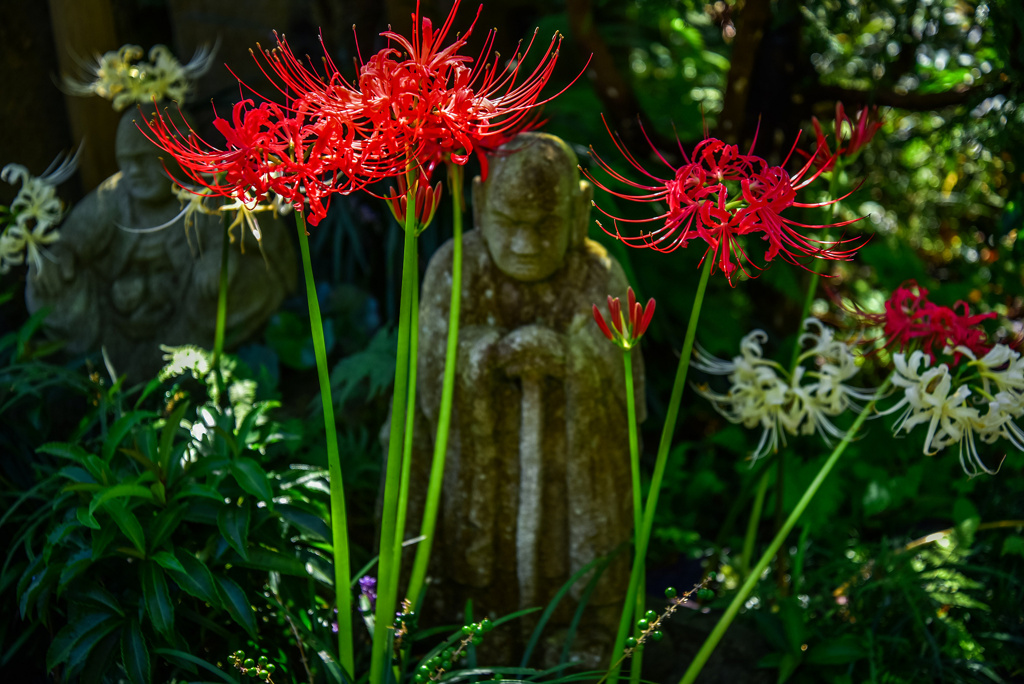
(526, 228)
(141, 169)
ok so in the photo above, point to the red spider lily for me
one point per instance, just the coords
(266, 150)
(721, 195)
(629, 326)
(851, 136)
(909, 316)
(426, 202)
(422, 100)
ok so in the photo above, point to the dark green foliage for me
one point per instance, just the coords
(147, 542)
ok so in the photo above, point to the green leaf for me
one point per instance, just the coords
(101, 539)
(121, 427)
(157, 598)
(375, 365)
(99, 597)
(77, 563)
(164, 525)
(1014, 545)
(193, 489)
(237, 605)
(134, 654)
(171, 427)
(251, 478)
(73, 642)
(128, 523)
(99, 659)
(167, 561)
(845, 649)
(72, 452)
(120, 491)
(274, 561)
(258, 410)
(233, 522)
(196, 579)
(309, 523)
(86, 517)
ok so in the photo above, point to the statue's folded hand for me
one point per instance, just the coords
(532, 350)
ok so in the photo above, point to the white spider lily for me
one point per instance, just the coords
(34, 213)
(124, 79)
(929, 398)
(763, 394)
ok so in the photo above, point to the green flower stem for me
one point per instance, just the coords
(634, 442)
(339, 522)
(429, 524)
(752, 525)
(387, 573)
(410, 419)
(667, 432)
(741, 596)
(634, 462)
(222, 309)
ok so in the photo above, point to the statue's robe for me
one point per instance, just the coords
(509, 536)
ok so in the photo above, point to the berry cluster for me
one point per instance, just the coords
(433, 669)
(261, 669)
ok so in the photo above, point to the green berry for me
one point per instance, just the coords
(705, 594)
(448, 653)
(467, 629)
(651, 615)
(271, 667)
(657, 635)
(477, 640)
(631, 642)
(240, 655)
(262, 662)
(251, 673)
(497, 676)
(670, 592)
(249, 663)
(419, 678)
(486, 625)
(423, 670)
(446, 664)
(263, 674)
(642, 624)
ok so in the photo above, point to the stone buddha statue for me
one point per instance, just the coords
(116, 281)
(537, 480)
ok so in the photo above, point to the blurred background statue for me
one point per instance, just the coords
(127, 275)
(537, 480)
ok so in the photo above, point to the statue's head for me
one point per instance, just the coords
(532, 208)
(142, 170)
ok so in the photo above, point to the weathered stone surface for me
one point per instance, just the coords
(537, 480)
(114, 285)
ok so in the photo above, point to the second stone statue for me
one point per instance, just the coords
(537, 479)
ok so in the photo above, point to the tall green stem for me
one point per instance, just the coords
(429, 524)
(752, 525)
(634, 462)
(387, 575)
(741, 596)
(667, 432)
(222, 309)
(410, 420)
(339, 522)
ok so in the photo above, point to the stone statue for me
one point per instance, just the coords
(537, 480)
(113, 282)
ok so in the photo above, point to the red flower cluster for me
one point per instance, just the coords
(909, 316)
(851, 136)
(411, 107)
(629, 325)
(721, 195)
